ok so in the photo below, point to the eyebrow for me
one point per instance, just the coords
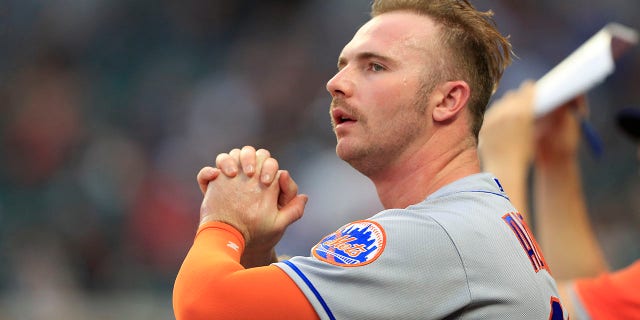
(342, 61)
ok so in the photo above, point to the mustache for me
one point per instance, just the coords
(348, 108)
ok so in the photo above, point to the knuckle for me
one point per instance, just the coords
(234, 153)
(221, 157)
(271, 162)
(263, 152)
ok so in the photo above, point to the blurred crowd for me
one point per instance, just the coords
(110, 107)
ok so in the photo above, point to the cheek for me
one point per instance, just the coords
(392, 101)
(388, 99)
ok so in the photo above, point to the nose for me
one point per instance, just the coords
(340, 85)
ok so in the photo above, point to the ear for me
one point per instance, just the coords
(452, 97)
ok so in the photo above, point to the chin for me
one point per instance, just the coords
(355, 159)
(341, 154)
(344, 151)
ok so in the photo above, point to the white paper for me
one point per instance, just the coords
(585, 68)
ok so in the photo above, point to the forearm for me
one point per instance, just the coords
(213, 284)
(215, 254)
(259, 258)
(563, 229)
(513, 176)
(611, 295)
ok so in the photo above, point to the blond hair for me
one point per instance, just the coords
(472, 42)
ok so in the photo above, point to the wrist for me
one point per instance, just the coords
(557, 162)
(253, 257)
(207, 220)
(507, 166)
(221, 226)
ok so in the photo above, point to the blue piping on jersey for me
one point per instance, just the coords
(489, 192)
(313, 289)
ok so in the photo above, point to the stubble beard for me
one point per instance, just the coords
(378, 148)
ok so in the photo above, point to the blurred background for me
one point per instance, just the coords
(110, 107)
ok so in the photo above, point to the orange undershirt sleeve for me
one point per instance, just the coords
(212, 284)
(612, 296)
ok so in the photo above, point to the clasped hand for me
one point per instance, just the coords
(253, 196)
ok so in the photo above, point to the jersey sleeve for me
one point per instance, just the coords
(212, 284)
(611, 296)
(358, 272)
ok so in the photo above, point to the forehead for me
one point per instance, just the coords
(394, 33)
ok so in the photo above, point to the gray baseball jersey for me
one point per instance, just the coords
(462, 253)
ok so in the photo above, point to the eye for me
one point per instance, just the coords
(376, 67)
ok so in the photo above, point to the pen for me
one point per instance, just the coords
(592, 137)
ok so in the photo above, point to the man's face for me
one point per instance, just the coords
(380, 107)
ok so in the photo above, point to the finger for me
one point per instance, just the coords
(227, 164)
(261, 156)
(206, 175)
(572, 105)
(288, 188)
(235, 155)
(527, 85)
(292, 211)
(528, 90)
(582, 106)
(268, 171)
(248, 160)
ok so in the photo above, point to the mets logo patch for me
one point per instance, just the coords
(355, 244)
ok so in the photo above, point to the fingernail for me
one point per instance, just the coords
(266, 178)
(248, 169)
(230, 170)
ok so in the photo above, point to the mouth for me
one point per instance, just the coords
(340, 116)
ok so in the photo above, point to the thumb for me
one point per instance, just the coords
(292, 211)
(206, 175)
(288, 188)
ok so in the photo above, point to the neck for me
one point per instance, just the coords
(418, 174)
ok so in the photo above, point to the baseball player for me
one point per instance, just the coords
(408, 100)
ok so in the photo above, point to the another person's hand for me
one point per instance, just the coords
(506, 137)
(557, 135)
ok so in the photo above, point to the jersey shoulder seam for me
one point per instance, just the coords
(464, 267)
